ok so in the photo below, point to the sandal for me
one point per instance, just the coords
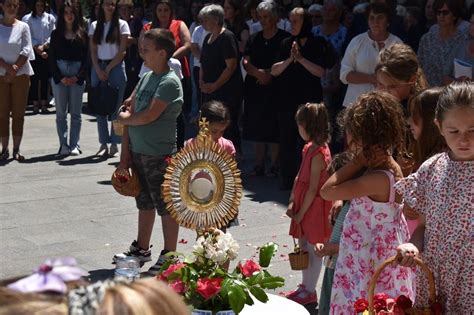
(258, 170)
(4, 155)
(17, 156)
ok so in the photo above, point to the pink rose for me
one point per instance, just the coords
(249, 268)
(208, 288)
(178, 286)
(172, 268)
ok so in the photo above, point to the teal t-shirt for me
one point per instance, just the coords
(158, 137)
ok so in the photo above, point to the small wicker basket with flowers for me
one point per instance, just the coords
(382, 303)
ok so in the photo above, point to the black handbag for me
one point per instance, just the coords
(103, 98)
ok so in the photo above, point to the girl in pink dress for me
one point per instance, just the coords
(442, 192)
(374, 225)
(308, 211)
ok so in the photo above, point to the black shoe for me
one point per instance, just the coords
(4, 155)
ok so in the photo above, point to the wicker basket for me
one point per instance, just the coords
(126, 182)
(299, 258)
(413, 310)
(118, 127)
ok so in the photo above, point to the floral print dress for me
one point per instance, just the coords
(371, 233)
(443, 191)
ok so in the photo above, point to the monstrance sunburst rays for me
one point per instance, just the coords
(202, 159)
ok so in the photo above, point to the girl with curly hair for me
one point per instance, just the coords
(374, 225)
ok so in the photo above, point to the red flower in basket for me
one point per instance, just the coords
(207, 288)
(380, 302)
(404, 302)
(249, 268)
(122, 178)
(361, 305)
(172, 268)
(168, 159)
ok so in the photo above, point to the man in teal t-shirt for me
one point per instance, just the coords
(149, 139)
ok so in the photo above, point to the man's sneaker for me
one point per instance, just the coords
(76, 151)
(103, 151)
(64, 150)
(113, 150)
(155, 269)
(144, 255)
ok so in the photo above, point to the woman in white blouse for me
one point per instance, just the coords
(360, 59)
(41, 25)
(15, 72)
(108, 43)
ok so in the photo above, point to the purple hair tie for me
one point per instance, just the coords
(50, 276)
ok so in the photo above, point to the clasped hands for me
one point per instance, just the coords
(68, 81)
(296, 55)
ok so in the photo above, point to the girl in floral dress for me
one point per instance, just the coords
(308, 211)
(374, 225)
(442, 191)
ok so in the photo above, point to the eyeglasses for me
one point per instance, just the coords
(443, 12)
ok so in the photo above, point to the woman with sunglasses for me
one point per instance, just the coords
(108, 43)
(437, 45)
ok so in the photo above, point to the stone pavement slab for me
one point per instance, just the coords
(55, 207)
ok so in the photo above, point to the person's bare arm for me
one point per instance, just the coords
(185, 39)
(150, 114)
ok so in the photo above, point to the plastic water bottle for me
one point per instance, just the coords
(128, 268)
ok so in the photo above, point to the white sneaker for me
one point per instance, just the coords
(64, 150)
(113, 149)
(76, 151)
(103, 150)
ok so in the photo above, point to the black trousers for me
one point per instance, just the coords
(291, 146)
(40, 80)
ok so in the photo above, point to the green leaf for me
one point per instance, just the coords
(237, 298)
(256, 278)
(271, 282)
(225, 285)
(266, 253)
(249, 300)
(259, 294)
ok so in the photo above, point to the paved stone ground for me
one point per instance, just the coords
(56, 207)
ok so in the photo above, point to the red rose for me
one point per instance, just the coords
(177, 286)
(172, 268)
(380, 302)
(437, 308)
(207, 288)
(404, 302)
(122, 178)
(361, 305)
(249, 268)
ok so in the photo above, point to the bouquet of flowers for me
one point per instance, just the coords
(207, 285)
(402, 305)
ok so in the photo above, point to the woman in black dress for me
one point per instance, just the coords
(260, 116)
(220, 77)
(303, 61)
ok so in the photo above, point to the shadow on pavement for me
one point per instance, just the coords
(104, 182)
(85, 160)
(43, 158)
(100, 274)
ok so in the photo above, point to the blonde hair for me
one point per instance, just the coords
(142, 297)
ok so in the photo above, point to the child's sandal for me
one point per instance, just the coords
(17, 156)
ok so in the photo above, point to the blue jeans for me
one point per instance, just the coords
(118, 79)
(68, 98)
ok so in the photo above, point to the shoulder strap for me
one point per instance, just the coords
(391, 177)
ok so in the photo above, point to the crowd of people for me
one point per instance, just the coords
(386, 85)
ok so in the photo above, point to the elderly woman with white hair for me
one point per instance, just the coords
(260, 121)
(220, 78)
